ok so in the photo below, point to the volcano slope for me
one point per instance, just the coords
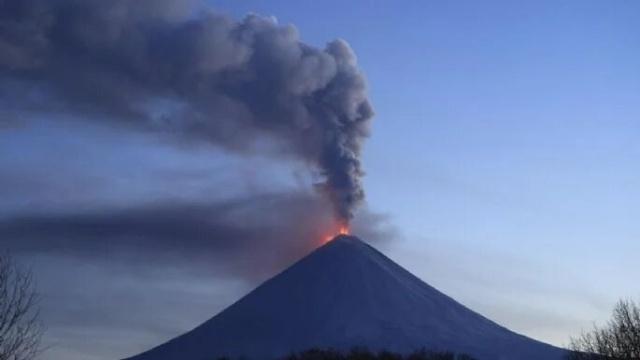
(346, 294)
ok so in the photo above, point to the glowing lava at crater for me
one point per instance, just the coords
(342, 230)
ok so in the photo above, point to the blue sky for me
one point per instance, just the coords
(504, 146)
(504, 151)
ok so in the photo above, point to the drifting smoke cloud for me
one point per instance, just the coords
(154, 65)
(240, 237)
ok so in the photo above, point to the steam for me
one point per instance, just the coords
(166, 67)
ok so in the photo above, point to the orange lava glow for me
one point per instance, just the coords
(342, 230)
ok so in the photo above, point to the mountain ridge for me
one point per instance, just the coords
(345, 294)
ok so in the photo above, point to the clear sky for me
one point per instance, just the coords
(504, 146)
(504, 153)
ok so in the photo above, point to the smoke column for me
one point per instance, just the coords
(167, 67)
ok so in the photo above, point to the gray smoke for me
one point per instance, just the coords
(167, 67)
(238, 237)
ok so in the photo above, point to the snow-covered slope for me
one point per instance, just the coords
(348, 294)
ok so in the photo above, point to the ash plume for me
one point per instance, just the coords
(191, 74)
(240, 237)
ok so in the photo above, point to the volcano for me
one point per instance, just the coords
(346, 294)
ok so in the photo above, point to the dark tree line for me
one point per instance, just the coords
(619, 339)
(364, 354)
